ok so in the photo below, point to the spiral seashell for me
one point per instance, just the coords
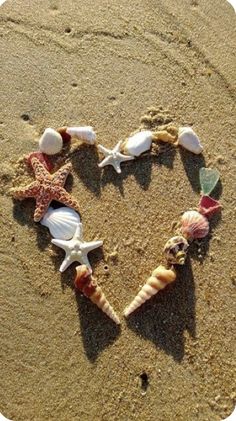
(194, 225)
(85, 283)
(188, 139)
(138, 143)
(83, 133)
(158, 280)
(175, 250)
(61, 222)
(50, 142)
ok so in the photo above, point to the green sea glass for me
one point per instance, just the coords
(208, 179)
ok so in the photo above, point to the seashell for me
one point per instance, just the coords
(43, 158)
(188, 139)
(138, 143)
(61, 222)
(208, 206)
(194, 225)
(159, 279)
(208, 179)
(83, 133)
(175, 250)
(85, 283)
(50, 142)
(164, 136)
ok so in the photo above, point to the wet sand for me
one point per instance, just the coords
(104, 64)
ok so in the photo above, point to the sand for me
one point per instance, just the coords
(104, 63)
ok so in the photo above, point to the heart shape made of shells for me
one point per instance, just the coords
(64, 223)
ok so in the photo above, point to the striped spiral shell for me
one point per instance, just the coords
(158, 280)
(194, 225)
(85, 282)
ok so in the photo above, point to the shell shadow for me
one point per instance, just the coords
(23, 212)
(85, 163)
(97, 330)
(165, 317)
(199, 250)
(192, 167)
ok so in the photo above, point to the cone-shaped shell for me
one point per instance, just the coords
(188, 139)
(83, 133)
(175, 250)
(194, 225)
(87, 285)
(138, 143)
(61, 222)
(50, 142)
(158, 280)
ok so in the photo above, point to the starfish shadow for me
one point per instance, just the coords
(164, 318)
(85, 164)
(140, 168)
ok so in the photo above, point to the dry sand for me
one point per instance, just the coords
(104, 63)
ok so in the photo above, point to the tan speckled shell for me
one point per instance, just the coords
(175, 249)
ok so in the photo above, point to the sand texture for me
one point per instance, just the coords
(105, 63)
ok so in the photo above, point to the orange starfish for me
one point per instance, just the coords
(47, 187)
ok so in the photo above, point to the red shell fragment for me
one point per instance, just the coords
(66, 137)
(43, 158)
(208, 206)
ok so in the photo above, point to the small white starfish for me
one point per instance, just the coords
(76, 249)
(113, 157)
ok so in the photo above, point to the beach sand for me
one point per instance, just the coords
(104, 63)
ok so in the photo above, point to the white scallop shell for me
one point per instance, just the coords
(51, 142)
(83, 133)
(61, 222)
(189, 140)
(138, 143)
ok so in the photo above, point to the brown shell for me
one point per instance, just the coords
(175, 250)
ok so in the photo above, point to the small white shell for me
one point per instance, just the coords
(138, 143)
(61, 222)
(51, 142)
(189, 140)
(84, 133)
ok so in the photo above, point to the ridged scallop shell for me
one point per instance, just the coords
(188, 139)
(194, 225)
(138, 143)
(175, 250)
(61, 222)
